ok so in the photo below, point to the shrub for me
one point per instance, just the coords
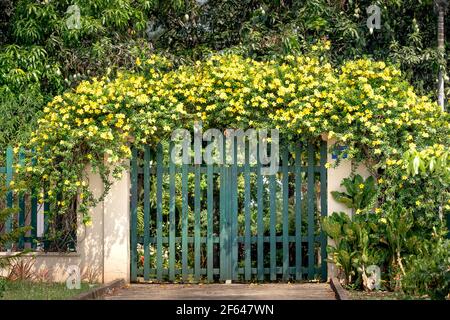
(2, 286)
(428, 272)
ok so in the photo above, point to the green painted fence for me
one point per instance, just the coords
(196, 223)
(26, 204)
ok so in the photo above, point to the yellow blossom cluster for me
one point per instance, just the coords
(363, 104)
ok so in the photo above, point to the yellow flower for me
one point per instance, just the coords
(361, 186)
(138, 61)
(383, 220)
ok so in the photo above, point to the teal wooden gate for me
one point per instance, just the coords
(204, 223)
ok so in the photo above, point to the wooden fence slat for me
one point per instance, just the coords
(260, 219)
(9, 178)
(172, 222)
(227, 234)
(222, 222)
(247, 213)
(184, 219)
(159, 218)
(298, 213)
(210, 217)
(21, 205)
(323, 208)
(285, 183)
(147, 213)
(311, 200)
(234, 214)
(34, 209)
(133, 222)
(273, 223)
(197, 222)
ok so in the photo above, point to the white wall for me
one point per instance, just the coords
(335, 177)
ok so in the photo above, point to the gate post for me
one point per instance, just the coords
(116, 238)
(335, 176)
(104, 247)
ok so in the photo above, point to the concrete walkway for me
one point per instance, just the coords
(282, 291)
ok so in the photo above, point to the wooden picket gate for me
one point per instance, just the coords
(205, 223)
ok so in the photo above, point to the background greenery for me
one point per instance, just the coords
(40, 57)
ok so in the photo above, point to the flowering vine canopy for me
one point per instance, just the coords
(364, 104)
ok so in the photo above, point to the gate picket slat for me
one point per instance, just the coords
(159, 218)
(285, 183)
(197, 243)
(323, 207)
(172, 222)
(260, 222)
(222, 219)
(227, 255)
(298, 213)
(134, 200)
(311, 200)
(234, 214)
(9, 178)
(273, 223)
(21, 205)
(247, 245)
(210, 217)
(184, 227)
(33, 219)
(147, 213)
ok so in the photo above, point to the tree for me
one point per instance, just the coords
(441, 7)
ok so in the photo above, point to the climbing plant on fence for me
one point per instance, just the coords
(29, 221)
(364, 104)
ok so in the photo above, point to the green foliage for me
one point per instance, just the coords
(433, 160)
(429, 271)
(356, 244)
(2, 286)
(404, 239)
(37, 49)
(359, 194)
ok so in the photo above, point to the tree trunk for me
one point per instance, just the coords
(441, 47)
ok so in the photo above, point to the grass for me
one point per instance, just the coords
(27, 290)
(375, 295)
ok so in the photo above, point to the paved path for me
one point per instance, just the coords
(301, 291)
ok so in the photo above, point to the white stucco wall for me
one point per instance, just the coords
(335, 177)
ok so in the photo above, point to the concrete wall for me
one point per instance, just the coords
(103, 249)
(335, 177)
